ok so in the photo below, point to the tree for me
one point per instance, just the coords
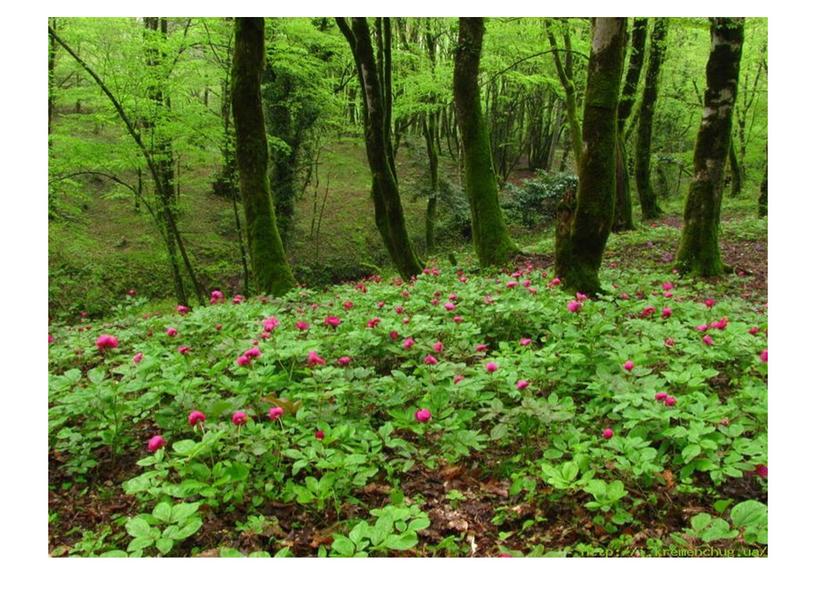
(375, 82)
(699, 252)
(564, 69)
(643, 148)
(579, 258)
(270, 270)
(490, 236)
(763, 189)
(623, 199)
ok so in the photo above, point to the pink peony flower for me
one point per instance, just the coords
(525, 341)
(555, 282)
(275, 413)
(580, 297)
(270, 323)
(709, 302)
(628, 365)
(761, 470)
(319, 435)
(381, 304)
(763, 355)
(438, 346)
(302, 325)
(155, 443)
(624, 296)
(512, 284)
(408, 343)
(344, 360)
(458, 379)
(526, 283)
(573, 306)
(670, 401)
(481, 348)
(648, 311)
(491, 367)
(195, 417)
(106, 341)
(453, 297)
(252, 352)
(131, 292)
(184, 350)
(667, 294)
(50, 339)
(667, 312)
(182, 309)
(449, 306)
(406, 320)
(399, 309)
(668, 285)
(669, 342)
(522, 384)
(422, 415)
(171, 332)
(458, 319)
(430, 360)
(348, 305)
(332, 321)
(138, 357)
(243, 360)
(754, 330)
(701, 327)
(239, 418)
(315, 360)
(393, 335)
(708, 340)
(607, 433)
(374, 322)
(661, 396)
(237, 299)
(216, 296)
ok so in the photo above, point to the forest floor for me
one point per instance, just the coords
(469, 497)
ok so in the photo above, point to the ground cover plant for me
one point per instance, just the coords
(457, 414)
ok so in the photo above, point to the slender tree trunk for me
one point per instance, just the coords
(579, 259)
(623, 199)
(564, 71)
(643, 147)
(699, 252)
(52, 62)
(490, 236)
(270, 270)
(763, 192)
(388, 212)
(736, 173)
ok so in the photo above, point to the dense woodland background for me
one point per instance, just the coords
(171, 76)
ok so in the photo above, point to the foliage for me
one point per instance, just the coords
(535, 201)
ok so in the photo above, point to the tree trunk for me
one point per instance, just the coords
(623, 199)
(643, 146)
(270, 270)
(429, 129)
(699, 252)
(579, 258)
(564, 70)
(736, 173)
(490, 237)
(52, 62)
(388, 213)
(763, 189)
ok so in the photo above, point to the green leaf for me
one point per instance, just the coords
(140, 543)
(139, 528)
(182, 511)
(162, 512)
(749, 513)
(690, 452)
(188, 529)
(164, 545)
(343, 546)
(401, 542)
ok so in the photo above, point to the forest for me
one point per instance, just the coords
(407, 287)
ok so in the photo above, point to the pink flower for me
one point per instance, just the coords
(607, 433)
(348, 304)
(406, 320)
(138, 357)
(131, 292)
(332, 321)
(449, 306)
(573, 306)
(243, 360)
(195, 417)
(710, 302)
(239, 418)
(701, 327)
(399, 309)
(275, 413)
(580, 297)
(302, 325)
(525, 341)
(438, 346)
(512, 284)
(252, 352)
(50, 339)
(708, 340)
(315, 360)
(106, 341)
(670, 401)
(667, 312)
(453, 297)
(522, 384)
(182, 309)
(648, 311)
(219, 326)
(216, 296)
(761, 470)
(184, 350)
(458, 319)
(458, 379)
(491, 367)
(481, 348)
(422, 415)
(374, 322)
(624, 296)
(270, 323)
(628, 365)
(237, 299)
(661, 396)
(555, 282)
(155, 443)
(381, 304)
(319, 435)
(526, 283)
(668, 285)
(430, 360)
(393, 335)
(669, 342)
(171, 332)
(763, 355)
(344, 360)
(754, 330)
(408, 343)
(667, 294)
(265, 335)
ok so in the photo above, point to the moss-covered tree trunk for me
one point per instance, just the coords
(699, 252)
(623, 199)
(643, 146)
(578, 261)
(763, 189)
(736, 172)
(430, 131)
(270, 270)
(388, 212)
(490, 236)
